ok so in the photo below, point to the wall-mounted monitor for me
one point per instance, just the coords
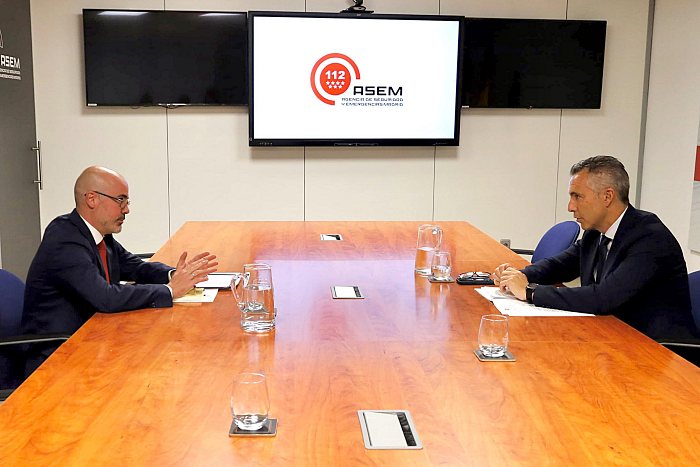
(533, 63)
(144, 58)
(353, 79)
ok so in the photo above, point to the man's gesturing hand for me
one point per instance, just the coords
(188, 273)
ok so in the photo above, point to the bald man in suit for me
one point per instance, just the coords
(79, 265)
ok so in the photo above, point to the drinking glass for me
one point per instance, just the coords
(250, 402)
(442, 266)
(256, 301)
(429, 240)
(493, 335)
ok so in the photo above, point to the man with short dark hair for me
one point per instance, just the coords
(630, 264)
(78, 267)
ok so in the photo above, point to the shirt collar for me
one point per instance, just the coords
(610, 233)
(96, 235)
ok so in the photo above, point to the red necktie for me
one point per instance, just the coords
(102, 248)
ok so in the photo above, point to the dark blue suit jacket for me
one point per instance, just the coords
(644, 281)
(66, 282)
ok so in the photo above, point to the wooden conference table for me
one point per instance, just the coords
(152, 387)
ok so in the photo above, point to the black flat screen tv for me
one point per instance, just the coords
(145, 58)
(321, 79)
(533, 63)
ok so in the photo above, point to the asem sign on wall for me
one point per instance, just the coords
(10, 66)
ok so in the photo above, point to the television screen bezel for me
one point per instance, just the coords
(468, 105)
(353, 142)
(165, 104)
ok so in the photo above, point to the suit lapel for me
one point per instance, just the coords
(85, 232)
(626, 225)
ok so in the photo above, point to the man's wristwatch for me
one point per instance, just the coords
(529, 290)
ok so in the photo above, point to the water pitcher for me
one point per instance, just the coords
(256, 299)
(429, 240)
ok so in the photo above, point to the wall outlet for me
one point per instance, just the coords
(505, 242)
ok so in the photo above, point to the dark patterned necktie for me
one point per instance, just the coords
(102, 248)
(600, 256)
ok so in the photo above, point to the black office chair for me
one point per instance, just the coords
(690, 348)
(13, 345)
(557, 239)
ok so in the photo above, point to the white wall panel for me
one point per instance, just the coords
(672, 118)
(214, 175)
(235, 5)
(543, 9)
(413, 7)
(503, 176)
(369, 183)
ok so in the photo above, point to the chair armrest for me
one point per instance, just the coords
(522, 251)
(24, 340)
(689, 343)
(686, 348)
(33, 339)
(5, 393)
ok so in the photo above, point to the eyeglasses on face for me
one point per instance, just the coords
(122, 201)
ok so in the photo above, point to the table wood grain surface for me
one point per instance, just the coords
(152, 387)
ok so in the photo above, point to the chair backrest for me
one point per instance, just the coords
(556, 239)
(11, 303)
(694, 284)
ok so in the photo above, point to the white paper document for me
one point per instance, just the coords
(217, 280)
(507, 304)
(198, 295)
(492, 293)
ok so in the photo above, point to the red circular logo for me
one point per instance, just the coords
(331, 76)
(335, 78)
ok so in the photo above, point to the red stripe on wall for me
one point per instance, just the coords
(697, 164)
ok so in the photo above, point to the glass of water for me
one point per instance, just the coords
(250, 402)
(493, 335)
(442, 266)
